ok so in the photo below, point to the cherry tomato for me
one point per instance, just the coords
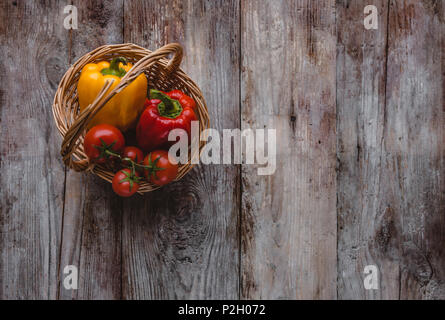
(102, 141)
(125, 183)
(135, 154)
(161, 170)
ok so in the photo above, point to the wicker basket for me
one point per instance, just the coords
(161, 73)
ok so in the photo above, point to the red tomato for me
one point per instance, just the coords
(102, 141)
(135, 154)
(125, 183)
(161, 171)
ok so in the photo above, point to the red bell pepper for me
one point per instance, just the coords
(163, 113)
(183, 99)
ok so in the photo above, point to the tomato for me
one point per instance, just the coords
(133, 153)
(125, 183)
(161, 170)
(102, 141)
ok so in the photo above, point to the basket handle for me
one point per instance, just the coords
(176, 60)
(75, 130)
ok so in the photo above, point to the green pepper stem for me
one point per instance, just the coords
(114, 64)
(168, 107)
(114, 68)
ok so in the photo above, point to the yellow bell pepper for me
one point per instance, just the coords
(121, 111)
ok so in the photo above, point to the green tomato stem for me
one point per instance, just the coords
(132, 163)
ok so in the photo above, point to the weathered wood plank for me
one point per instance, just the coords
(93, 213)
(288, 221)
(395, 168)
(32, 60)
(181, 242)
(361, 79)
(414, 162)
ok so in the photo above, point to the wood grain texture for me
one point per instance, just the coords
(391, 152)
(93, 213)
(361, 87)
(32, 61)
(360, 178)
(181, 242)
(288, 220)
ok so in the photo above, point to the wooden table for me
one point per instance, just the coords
(360, 179)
